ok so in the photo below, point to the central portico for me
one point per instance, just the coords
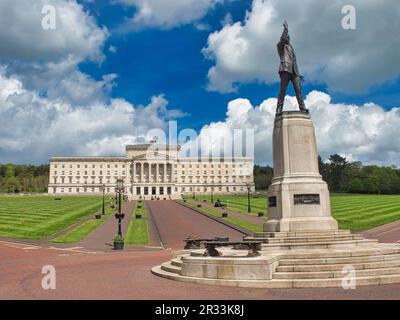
(152, 169)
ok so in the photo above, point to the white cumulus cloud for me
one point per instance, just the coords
(168, 14)
(48, 106)
(76, 34)
(34, 128)
(366, 133)
(344, 60)
(47, 60)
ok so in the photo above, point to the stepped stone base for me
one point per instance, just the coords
(301, 223)
(300, 259)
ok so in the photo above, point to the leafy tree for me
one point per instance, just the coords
(23, 178)
(262, 177)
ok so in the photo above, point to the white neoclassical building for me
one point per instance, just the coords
(150, 170)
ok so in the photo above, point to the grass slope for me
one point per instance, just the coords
(238, 203)
(82, 231)
(362, 212)
(42, 216)
(137, 229)
(244, 224)
(79, 233)
(352, 211)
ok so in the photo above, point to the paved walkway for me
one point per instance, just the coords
(126, 275)
(175, 223)
(233, 214)
(102, 238)
(387, 233)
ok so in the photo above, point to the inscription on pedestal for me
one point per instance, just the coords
(300, 199)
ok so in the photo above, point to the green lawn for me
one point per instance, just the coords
(244, 224)
(137, 229)
(361, 212)
(42, 216)
(79, 233)
(352, 211)
(82, 231)
(238, 203)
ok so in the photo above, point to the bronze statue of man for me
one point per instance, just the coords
(288, 71)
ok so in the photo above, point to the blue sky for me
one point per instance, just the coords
(154, 61)
(170, 62)
(111, 71)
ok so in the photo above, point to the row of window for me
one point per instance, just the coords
(84, 190)
(139, 190)
(93, 173)
(200, 189)
(123, 166)
(108, 180)
(205, 172)
(86, 166)
(208, 165)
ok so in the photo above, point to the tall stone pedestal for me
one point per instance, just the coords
(298, 197)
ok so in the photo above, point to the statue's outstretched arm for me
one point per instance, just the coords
(284, 37)
(285, 33)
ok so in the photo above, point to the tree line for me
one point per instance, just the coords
(23, 178)
(345, 176)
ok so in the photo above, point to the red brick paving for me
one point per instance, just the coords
(127, 276)
(176, 222)
(152, 229)
(387, 233)
(102, 237)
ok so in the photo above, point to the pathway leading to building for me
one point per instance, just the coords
(102, 238)
(242, 216)
(387, 233)
(175, 223)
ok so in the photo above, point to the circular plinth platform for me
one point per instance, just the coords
(314, 261)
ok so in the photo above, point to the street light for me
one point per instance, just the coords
(116, 196)
(103, 209)
(119, 215)
(248, 185)
(132, 173)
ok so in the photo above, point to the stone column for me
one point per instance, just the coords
(141, 172)
(165, 173)
(298, 197)
(157, 172)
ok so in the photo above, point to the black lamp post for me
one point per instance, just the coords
(132, 176)
(212, 194)
(103, 210)
(248, 185)
(119, 215)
